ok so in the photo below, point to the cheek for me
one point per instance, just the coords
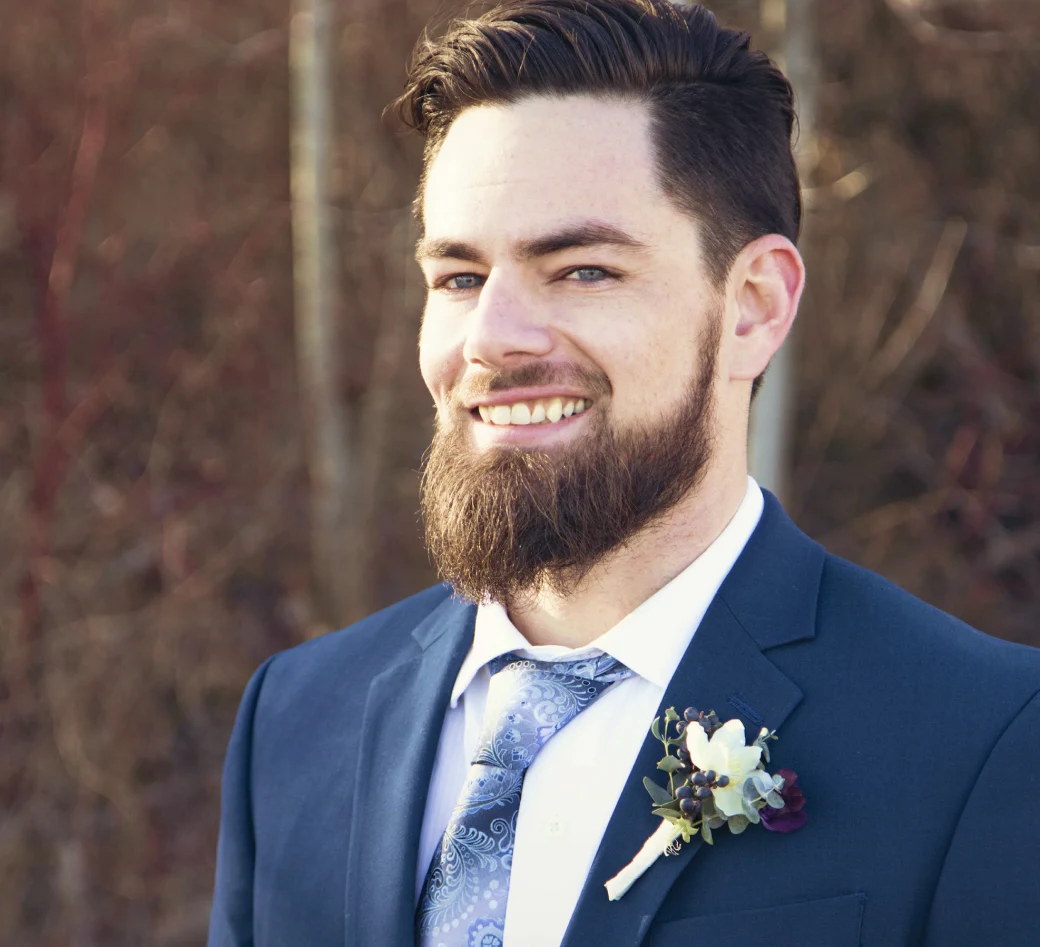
(654, 369)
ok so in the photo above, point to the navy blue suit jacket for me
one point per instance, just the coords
(916, 739)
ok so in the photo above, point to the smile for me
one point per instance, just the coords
(544, 411)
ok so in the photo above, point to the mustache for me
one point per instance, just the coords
(530, 375)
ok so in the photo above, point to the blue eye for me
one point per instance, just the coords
(587, 274)
(461, 282)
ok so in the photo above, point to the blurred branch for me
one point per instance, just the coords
(847, 187)
(149, 32)
(53, 336)
(331, 429)
(912, 13)
(923, 310)
(884, 519)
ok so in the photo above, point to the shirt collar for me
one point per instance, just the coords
(651, 639)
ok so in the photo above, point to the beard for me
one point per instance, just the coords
(508, 522)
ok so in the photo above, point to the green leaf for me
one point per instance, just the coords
(670, 716)
(670, 764)
(763, 782)
(762, 740)
(775, 800)
(737, 823)
(750, 812)
(706, 833)
(659, 794)
(669, 815)
(655, 729)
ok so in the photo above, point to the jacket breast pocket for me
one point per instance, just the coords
(825, 922)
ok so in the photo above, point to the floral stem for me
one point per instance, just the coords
(653, 848)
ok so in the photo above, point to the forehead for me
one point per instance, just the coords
(517, 169)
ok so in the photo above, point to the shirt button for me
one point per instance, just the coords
(557, 827)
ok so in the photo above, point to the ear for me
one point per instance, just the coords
(766, 283)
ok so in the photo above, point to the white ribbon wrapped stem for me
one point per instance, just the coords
(653, 849)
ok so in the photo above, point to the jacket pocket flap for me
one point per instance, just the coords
(825, 922)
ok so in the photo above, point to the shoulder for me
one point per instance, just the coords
(382, 631)
(911, 645)
(355, 653)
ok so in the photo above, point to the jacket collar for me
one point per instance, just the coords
(400, 732)
(768, 600)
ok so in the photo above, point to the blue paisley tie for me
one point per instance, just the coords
(463, 900)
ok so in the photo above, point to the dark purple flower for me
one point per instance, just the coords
(790, 817)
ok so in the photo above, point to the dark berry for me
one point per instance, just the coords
(699, 779)
(683, 754)
(710, 775)
(684, 792)
(680, 728)
(688, 806)
(703, 793)
(690, 714)
(722, 782)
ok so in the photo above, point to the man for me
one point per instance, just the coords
(609, 211)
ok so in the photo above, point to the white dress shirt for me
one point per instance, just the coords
(574, 783)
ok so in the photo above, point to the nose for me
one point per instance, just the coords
(505, 326)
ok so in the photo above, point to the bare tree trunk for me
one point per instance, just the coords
(793, 24)
(330, 429)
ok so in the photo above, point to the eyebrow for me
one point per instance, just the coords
(589, 234)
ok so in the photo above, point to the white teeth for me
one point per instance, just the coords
(521, 414)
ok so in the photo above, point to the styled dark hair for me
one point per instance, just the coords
(721, 113)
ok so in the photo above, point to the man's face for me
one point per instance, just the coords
(569, 342)
(552, 249)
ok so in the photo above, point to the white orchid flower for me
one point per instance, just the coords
(726, 754)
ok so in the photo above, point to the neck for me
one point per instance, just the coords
(626, 578)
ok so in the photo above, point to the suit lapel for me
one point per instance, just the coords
(400, 731)
(768, 599)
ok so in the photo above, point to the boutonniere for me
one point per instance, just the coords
(714, 779)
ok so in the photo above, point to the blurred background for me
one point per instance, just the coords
(211, 416)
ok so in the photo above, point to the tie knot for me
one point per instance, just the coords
(529, 701)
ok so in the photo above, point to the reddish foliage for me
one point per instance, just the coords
(153, 494)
